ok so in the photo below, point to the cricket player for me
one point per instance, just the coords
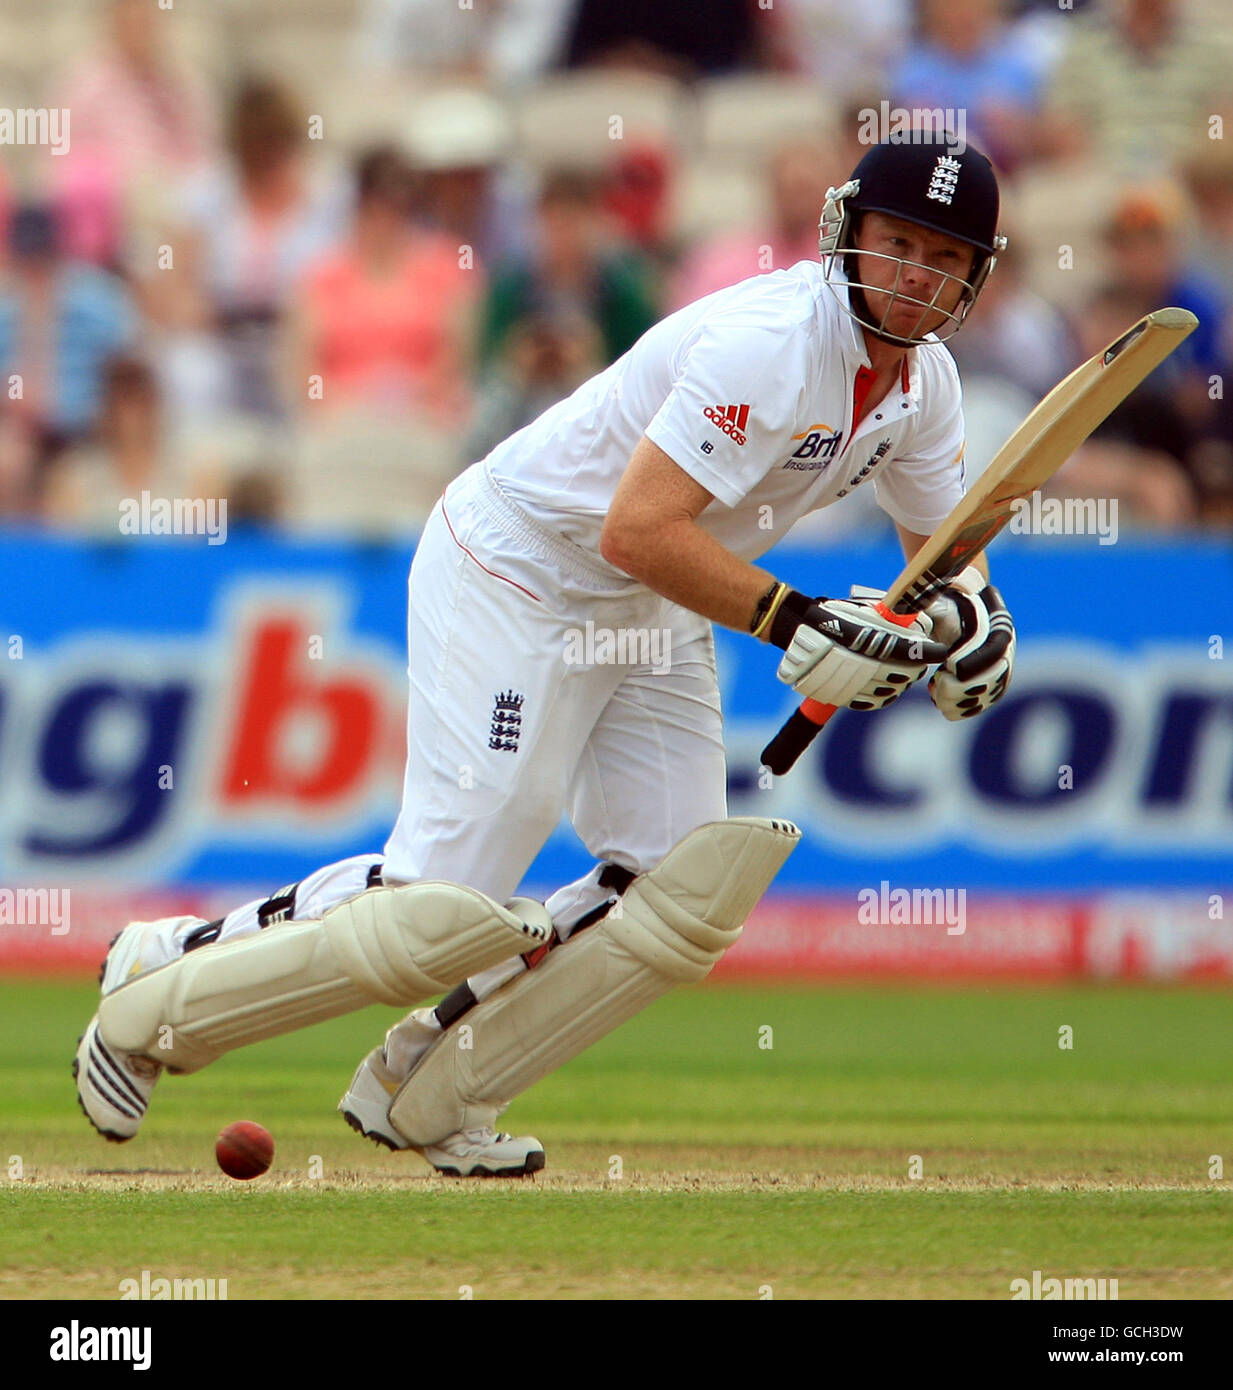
(636, 506)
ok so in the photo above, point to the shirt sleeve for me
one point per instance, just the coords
(729, 416)
(920, 487)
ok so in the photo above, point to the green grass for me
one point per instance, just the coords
(741, 1166)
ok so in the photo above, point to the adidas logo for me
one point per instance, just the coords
(731, 419)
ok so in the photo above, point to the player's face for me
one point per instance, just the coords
(917, 277)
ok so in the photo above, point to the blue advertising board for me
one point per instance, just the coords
(140, 677)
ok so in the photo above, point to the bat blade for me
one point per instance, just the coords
(1028, 459)
(1037, 449)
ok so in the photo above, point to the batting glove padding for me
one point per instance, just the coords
(847, 653)
(977, 670)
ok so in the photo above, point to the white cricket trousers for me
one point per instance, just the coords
(507, 729)
(541, 684)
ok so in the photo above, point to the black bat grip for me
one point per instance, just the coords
(789, 743)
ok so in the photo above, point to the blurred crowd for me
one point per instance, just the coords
(316, 258)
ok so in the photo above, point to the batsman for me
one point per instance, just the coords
(639, 505)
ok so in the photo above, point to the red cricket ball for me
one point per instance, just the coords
(244, 1150)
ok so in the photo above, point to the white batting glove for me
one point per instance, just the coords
(878, 696)
(847, 653)
(978, 666)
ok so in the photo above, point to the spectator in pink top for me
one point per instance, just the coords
(135, 115)
(798, 183)
(385, 319)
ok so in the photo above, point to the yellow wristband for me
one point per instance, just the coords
(764, 623)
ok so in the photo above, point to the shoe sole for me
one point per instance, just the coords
(534, 1164)
(375, 1135)
(534, 1161)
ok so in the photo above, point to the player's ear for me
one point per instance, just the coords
(983, 266)
(854, 236)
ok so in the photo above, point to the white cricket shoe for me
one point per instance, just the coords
(476, 1153)
(366, 1104)
(114, 1087)
(482, 1153)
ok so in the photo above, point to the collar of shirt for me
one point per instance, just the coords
(856, 361)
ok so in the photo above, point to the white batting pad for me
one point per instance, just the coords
(673, 924)
(389, 945)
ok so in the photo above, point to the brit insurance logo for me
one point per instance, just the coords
(731, 419)
(819, 444)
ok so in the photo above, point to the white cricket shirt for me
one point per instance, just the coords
(751, 390)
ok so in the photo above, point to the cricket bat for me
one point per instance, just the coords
(1028, 459)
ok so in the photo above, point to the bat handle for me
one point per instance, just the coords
(799, 730)
(804, 724)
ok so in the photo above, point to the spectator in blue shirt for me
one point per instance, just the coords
(966, 58)
(60, 323)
